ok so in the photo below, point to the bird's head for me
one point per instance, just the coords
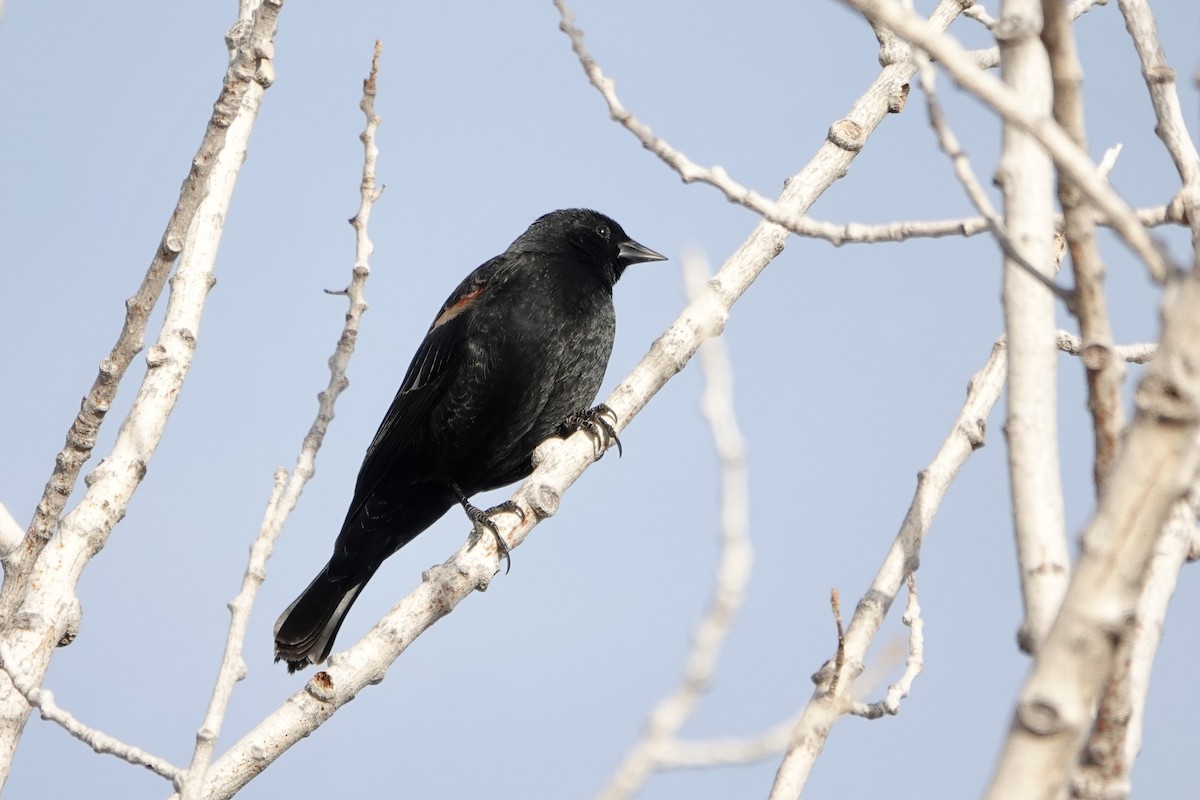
(599, 240)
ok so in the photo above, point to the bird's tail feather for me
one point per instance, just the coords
(305, 631)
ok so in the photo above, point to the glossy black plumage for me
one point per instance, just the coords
(518, 348)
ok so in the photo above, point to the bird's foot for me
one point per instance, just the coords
(599, 423)
(482, 520)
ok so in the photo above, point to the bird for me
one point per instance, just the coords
(514, 356)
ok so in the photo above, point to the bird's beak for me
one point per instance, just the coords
(633, 253)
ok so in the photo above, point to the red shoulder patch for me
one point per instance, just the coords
(452, 310)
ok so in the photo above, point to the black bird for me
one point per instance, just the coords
(514, 356)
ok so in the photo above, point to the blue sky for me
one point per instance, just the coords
(850, 366)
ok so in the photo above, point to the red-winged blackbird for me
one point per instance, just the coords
(514, 356)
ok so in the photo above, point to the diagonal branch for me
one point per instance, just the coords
(99, 741)
(831, 699)
(558, 463)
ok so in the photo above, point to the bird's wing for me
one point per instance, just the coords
(403, 435)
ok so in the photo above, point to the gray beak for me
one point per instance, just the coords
(631, 252)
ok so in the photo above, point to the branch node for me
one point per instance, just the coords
(1040, 716)
(847, 134)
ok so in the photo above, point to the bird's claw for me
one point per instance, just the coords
(600, 424)
(482, 520)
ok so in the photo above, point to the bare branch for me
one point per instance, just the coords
(1026, 177)
(733, 564)
(890, 704)
(827, 705)
(1131, 353)
(903, 230)
(558, 463)
(1156, 464)
(1116, 738)
(1171, 128)
(714, 176)
(246, 69)
(949, 145)
(43, 700)
(47, 613)
(989, 57)
(1105, 374)
(1015, 109)
(286, 491)
(978, 13)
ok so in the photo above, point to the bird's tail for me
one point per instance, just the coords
(305, 631)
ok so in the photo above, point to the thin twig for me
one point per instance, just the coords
(1129, 353)
(100, 742)
(989, 57)
(890, 704)
(949, 145)
(861, 233)
(826, 705)
(689, 171)
(1171, 127)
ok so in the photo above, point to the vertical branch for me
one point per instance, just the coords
(1025, 175)
(287, 490)
(733, 566)
(1105, 372)
(1154, 468)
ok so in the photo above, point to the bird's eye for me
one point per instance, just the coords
(602, 231)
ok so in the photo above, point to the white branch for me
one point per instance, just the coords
(890, 704)
(832, 697)
(558, 463)
(1131, 353)
(99, 741)
(733, 566)
(1014, 108)
(286, 491)
(11, 534)
(1026, 176)
(716, 176)
(966, 175)
(47, 613)
(1116, 739)
(1157, 462)
(1171, 127)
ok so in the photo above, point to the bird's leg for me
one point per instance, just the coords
(599, 423)
(482, 520)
